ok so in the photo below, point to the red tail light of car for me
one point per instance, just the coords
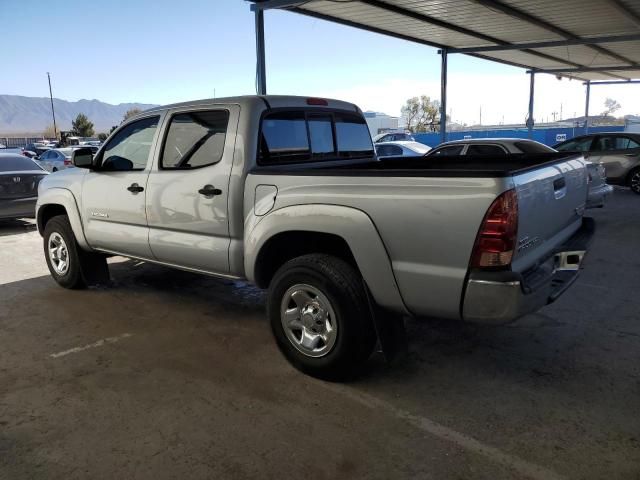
(67, 161)
(497, 236)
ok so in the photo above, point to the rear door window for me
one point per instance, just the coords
(449, 151)
(576, 145)
(605, 143)
(195, 139)
(479, 149)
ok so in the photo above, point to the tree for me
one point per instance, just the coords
(429, 114)
(610, 106)
(130, 113)
(102, 137)
(50, 132)
(411, 111)
(422, 114)
(82, 127)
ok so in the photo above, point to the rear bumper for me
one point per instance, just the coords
(501, 297)
(598, 196)
(18, 208)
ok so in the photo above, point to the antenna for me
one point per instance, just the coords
(53, 112)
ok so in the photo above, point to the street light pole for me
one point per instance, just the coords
(53, 112)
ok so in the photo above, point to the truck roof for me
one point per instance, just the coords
(273, 101)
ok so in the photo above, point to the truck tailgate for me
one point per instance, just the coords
(551, 202)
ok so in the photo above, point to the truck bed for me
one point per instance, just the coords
(452, 166)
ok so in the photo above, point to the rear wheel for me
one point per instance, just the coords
(319, 316)
(634, 181)
(69, 265)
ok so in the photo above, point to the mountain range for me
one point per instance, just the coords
(23, 115)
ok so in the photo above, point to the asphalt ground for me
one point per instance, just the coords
(165, 374)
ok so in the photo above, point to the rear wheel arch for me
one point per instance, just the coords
(285, 246)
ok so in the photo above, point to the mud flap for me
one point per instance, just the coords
(94, 268)
(391, 331)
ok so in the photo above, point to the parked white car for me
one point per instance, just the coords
(401, 149)
(56, 159)
(599, 190)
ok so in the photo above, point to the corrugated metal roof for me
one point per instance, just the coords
(456, 24)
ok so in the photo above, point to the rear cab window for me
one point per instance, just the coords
(302, 136)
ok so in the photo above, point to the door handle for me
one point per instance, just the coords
(135, 188)
(209, 191)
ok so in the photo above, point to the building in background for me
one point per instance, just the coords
(381, 123)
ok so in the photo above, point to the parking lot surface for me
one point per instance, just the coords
(165, 374)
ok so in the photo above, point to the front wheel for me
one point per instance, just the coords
(634, 181)
(319, 316)
(69, 265)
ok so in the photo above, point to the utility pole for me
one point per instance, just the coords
(480, 115)
(53, 112)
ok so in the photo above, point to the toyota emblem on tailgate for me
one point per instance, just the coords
(16, 179)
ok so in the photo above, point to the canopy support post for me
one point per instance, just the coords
(586, 107)
(530, 121)
(261, 71)
(443, 95)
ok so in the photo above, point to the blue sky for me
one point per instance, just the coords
(160, 51)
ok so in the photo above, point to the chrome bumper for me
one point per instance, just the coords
(501, 297)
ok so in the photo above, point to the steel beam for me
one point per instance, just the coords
(555, 43)
(612, 82)
(613, 68)
(455, 28)
(586, 108)
(443, 95)
(530, 121)
(367, 28)
(271, 4)
(533, 20)
(626, 11)
(261, 70)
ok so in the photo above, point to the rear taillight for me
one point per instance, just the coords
(67, 162)
(496, 238)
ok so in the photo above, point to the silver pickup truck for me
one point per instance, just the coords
(287, 193)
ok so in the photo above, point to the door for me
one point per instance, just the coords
(617, 153)
(188, 189)
(113, 195)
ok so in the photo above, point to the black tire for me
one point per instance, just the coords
(54, 169)
(84, 268)
(343, 287)
(634, 181)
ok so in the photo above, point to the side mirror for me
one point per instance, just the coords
(82, 158)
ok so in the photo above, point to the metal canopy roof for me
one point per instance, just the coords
(583, 39)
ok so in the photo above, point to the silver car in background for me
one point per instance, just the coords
(618, 152)
(599, 190)
(56, 159)
(401, 149)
